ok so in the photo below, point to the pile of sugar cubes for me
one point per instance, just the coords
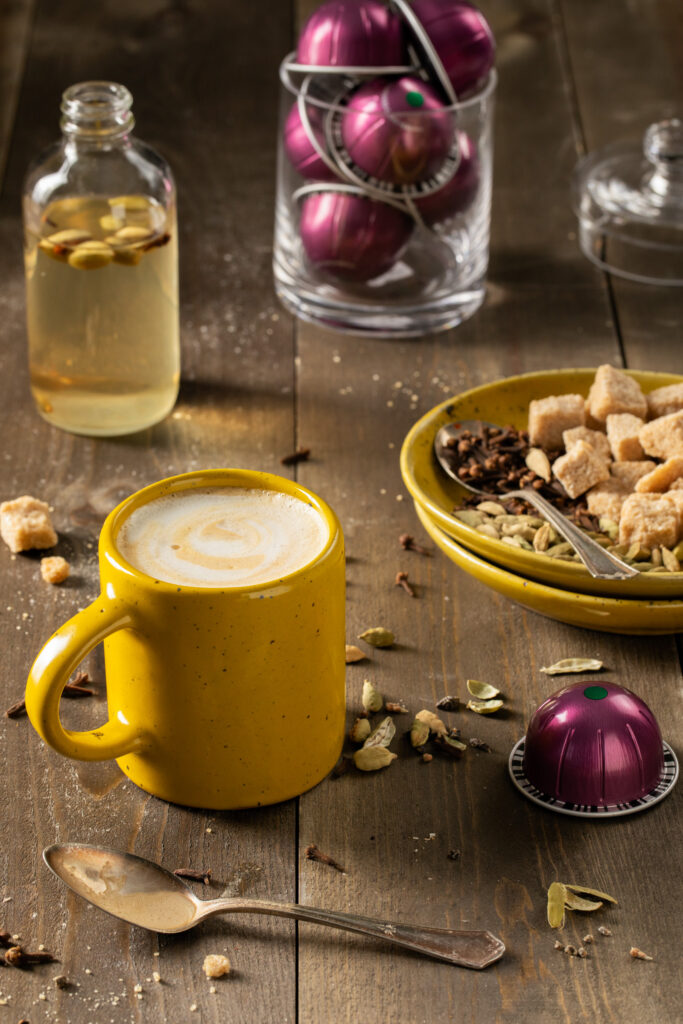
(623, 450)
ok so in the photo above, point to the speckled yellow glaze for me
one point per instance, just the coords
(218, 698)
(606, 614)
(507, 401)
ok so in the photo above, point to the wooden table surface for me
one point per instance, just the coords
(574, 75)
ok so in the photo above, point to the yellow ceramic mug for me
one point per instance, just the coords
(218, 697)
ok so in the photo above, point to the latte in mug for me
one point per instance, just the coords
(222, 537)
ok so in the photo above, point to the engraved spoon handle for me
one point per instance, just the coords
(474, 949)
(600, 563)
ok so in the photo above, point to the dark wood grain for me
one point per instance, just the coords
(215, 121)
(357, 398)
(204, 79)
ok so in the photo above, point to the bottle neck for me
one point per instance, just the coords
(97, 113)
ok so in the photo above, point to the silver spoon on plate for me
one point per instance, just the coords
(145, 894)
(601, 564)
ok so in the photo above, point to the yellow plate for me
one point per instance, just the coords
(507, 401)
(606, 614)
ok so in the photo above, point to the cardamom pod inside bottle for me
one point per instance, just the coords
(101, 260)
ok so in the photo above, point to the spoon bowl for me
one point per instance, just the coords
(600, 563)
(145, 894)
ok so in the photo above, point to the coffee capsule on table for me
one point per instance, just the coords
(594, 751)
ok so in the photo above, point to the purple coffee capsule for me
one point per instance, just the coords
(397, 130)
(352, 33)
(462, 39)
(300, 143)
(459, 191)
(350, 237)
(594, 750)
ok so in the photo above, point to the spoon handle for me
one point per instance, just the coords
(475, 949)
(600, 563)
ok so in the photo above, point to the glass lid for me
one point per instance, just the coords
(629, 201)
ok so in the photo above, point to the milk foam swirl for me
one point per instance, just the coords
(222, 537)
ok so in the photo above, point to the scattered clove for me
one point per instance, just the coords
(479, 745)
(342, 766)
(409, 543)
(76, 690)
(454, 854)
(18, 957)
(402, 581)
(313, 853)
(300, 455)
(194, 876)
(61, 981)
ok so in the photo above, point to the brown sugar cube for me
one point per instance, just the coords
(54, 569)
(613, 391)
(662, 476)
(216, 965)
(550, 417)
(594, 438)
(664, 436)
(630, 472)
(622, 434)
(25, 524)
(663, 401)
(606, 498)
(650, 520)
(580, 469)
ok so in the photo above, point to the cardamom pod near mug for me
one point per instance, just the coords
(222, 616)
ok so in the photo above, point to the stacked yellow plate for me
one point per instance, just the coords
(647, 604)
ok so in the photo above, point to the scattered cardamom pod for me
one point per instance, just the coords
(360, 730)
(354, 654)
(670, 562)
(371, 699)
(568, 665)
(562, 895)
(370, 759)
(485, 707)
(574, 902)
(382, 735)
(90, 255)
(433, 721)
(590, 892)
(419, 733)
(557, 895)
(450, 745)
(482, 691)
(377, 637)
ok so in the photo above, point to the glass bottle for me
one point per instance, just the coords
(101, 260)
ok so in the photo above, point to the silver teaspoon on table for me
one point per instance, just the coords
(600, 563)
(147, 895)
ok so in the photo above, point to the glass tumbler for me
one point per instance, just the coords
(383, 203)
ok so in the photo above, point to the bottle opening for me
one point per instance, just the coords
(97, 109)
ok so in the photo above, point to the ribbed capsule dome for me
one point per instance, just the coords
(593, 744)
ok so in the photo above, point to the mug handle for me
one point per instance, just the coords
(60, 656)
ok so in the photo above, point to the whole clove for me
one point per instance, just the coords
(18, 957)
(313, 853)
(409, 543)
(479, 745)
(194, 876)
(76, 689)
(294, 458)
(402, 581)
